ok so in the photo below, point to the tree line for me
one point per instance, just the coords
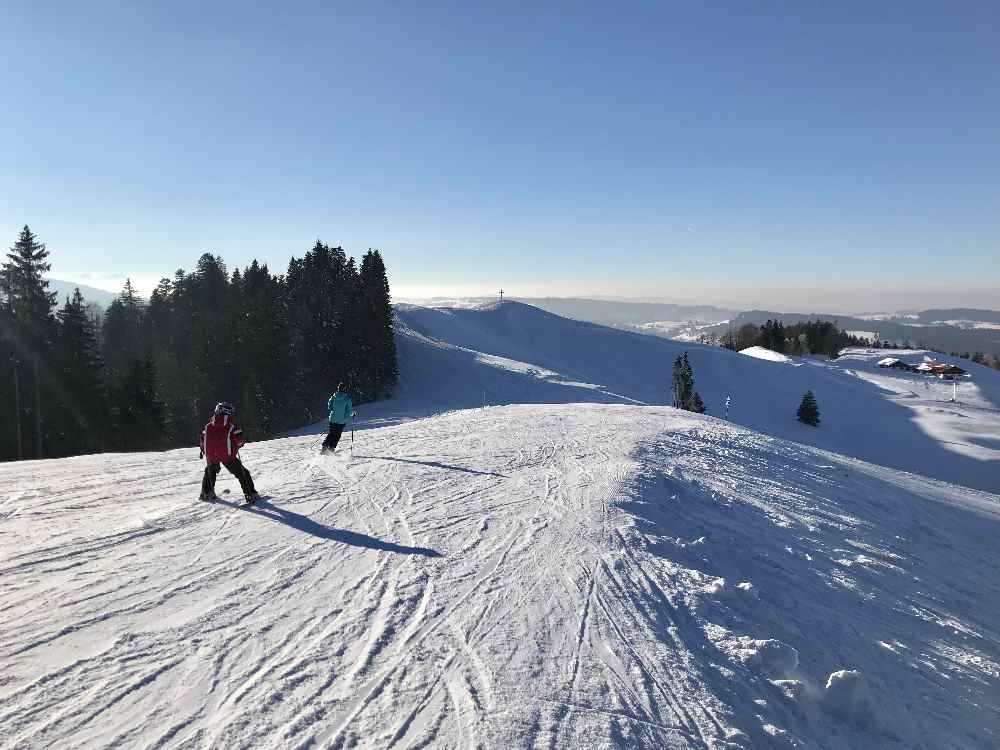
(820, 337)
(810, 337)
(146, 373)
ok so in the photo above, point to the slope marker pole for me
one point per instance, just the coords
(17, 410)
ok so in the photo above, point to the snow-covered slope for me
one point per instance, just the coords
(569, 576)
(514, 353)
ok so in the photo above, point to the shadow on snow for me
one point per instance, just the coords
(307, 525)
(436, 465)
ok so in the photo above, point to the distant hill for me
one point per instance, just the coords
(959, 313)
(924, 332)
(615, 313)
(949, 330)
(618, 313)
(65, 289)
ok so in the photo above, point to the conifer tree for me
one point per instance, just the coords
(122, 330)
(81, 409)
(377, 326)
(684, 395)
(808, 412)
(31, 329)
(677, 383)
(697, 405)
(24, 288)
(139, 410)
(208, 290)
(687, 380)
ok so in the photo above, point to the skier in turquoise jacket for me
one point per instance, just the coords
(341, 410)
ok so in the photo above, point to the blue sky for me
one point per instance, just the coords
(746, 153)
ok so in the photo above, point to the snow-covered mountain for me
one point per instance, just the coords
(537, 573)
(514, 353)
(65, 289)
(673, 321)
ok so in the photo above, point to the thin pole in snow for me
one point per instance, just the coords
(38, 411)
(17, 409)
(954, 390)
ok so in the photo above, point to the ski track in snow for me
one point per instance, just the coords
(526, 576)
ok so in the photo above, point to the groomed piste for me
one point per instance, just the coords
(528, 575)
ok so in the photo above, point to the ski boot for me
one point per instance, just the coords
(208, 497)
(252, 497)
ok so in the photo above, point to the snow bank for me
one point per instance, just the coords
(718, 586)
(853, 697)
(760, 352)
(773, 658)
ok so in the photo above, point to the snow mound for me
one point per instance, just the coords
(851, 696)
(773, 658)
(760, 352)
(718, 586)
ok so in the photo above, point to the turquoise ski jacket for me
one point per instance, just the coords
(340, 407)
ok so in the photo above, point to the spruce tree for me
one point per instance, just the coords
(11, 379)
(81, 410)
(377, 326)
(31, 329)
(139, 411)
(677, 383)
(211, 340)
(24, 287)
(687, 383)
(682, 383)
(808, 412)
(121, 333)
(153, 406)
(692, 401)
(697, 405)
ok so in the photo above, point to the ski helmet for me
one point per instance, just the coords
(225, 407)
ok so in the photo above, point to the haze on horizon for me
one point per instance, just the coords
(839, 159)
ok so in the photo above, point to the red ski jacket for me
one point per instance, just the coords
(221, 439)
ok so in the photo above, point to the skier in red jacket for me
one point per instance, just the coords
(221, 441)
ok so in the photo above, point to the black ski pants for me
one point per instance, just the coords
(333, 436)
(235, 467)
